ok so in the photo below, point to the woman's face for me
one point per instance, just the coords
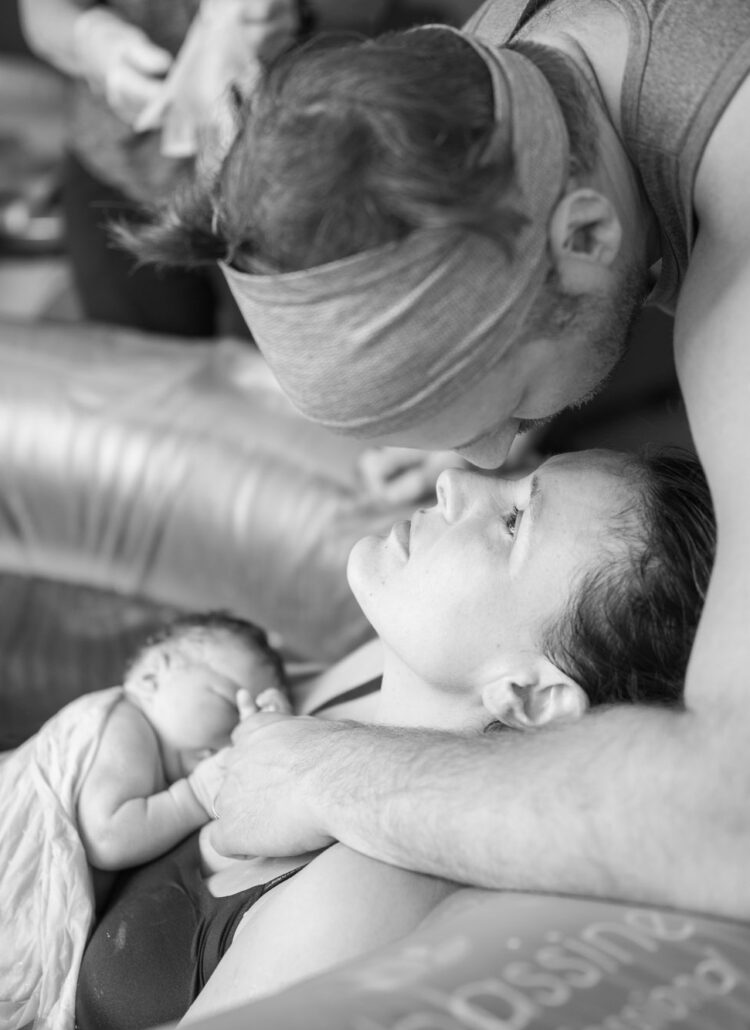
(480, 575)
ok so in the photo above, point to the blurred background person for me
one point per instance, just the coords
(149, 78)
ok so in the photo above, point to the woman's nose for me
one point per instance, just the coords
(453, 488)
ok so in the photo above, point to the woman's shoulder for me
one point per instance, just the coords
(364, 877)
(343, 904)
(344, 895)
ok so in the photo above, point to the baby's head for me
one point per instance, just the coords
(186, 677)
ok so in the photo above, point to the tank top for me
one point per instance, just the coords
(686, 59)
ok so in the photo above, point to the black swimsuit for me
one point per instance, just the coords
(161, 936)
(159, 940)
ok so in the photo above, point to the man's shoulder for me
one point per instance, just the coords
(722, 200)
(499, 20)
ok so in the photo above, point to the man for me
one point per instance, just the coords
(430, 329)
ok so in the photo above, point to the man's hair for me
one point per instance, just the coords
(202, 627)
(629, 630)
(346, 145)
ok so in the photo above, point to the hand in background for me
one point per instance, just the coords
(399, 475)
(396, 475)
(120, 62)
(225, 44)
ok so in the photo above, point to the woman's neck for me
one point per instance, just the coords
(406, 699)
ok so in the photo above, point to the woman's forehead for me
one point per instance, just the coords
(599, 481)
(596, 462)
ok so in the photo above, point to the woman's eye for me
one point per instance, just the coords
(511, 520)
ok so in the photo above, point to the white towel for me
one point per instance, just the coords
(46, 892)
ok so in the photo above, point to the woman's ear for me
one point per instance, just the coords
(585, 235)
(534, 693)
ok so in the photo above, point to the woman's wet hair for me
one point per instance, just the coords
(346, 145)
(627, 634)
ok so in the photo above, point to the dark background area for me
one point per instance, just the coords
(11, 40)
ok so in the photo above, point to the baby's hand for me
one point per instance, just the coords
(270, 700)
(206, 779)
(269, 706)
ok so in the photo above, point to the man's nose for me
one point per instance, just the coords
(491, 450)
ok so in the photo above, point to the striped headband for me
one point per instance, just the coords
(383, 340)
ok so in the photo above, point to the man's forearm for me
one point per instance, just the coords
(629, 803)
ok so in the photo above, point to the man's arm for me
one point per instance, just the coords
(628, 803)
(712, 352)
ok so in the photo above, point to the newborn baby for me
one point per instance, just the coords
(114, 779)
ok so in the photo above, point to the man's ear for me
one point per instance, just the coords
(534, 693)
(585, 235)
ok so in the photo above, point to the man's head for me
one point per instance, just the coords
(426, 239)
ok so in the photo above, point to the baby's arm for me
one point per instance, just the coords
(126, 812)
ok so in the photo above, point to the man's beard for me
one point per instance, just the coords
(605, 322)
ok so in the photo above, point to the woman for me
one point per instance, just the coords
(511, 602)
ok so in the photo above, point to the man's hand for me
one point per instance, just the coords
(266, 805)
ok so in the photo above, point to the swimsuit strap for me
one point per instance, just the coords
(361, 690)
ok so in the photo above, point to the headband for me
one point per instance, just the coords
(371, 344)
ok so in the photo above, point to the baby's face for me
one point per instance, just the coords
(194, 707)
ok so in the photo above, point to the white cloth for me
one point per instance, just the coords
(46, 892)
(193, 106)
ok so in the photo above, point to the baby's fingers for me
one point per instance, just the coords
(273, 700)
(245, 704)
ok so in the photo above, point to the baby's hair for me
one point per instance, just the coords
(629, 628)
(200, 626)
